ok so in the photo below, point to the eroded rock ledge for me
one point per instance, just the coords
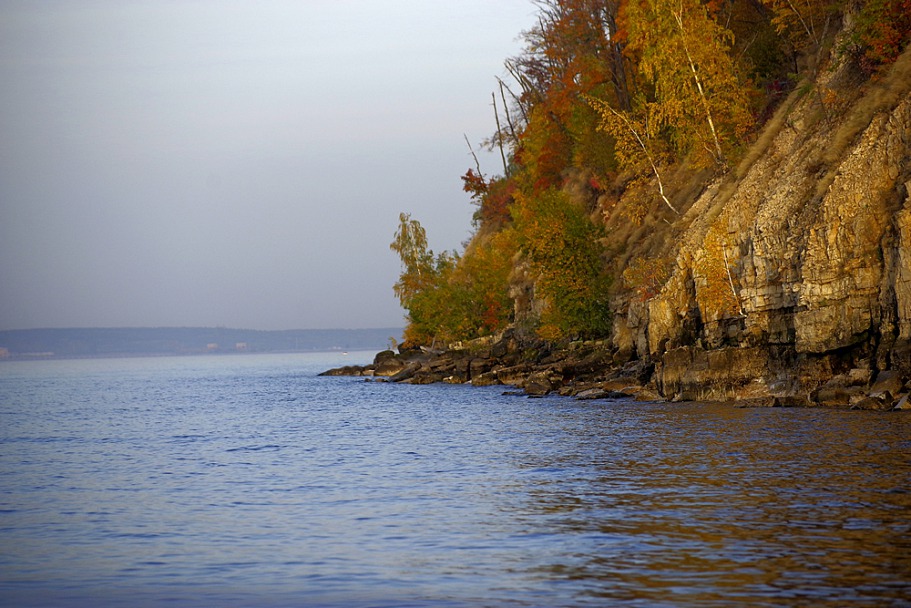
(590, 370)
(788, 279)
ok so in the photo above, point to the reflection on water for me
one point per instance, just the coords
(248, 481)
(710, 505)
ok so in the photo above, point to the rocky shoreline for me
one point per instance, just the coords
(589, 370)
(786, 282)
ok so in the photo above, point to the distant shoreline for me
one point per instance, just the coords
(56, 357)
(91, 343)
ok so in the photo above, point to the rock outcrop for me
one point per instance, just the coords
(582, 369)
(797, 272)
(790, 279)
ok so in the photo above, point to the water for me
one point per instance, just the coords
(248, 481)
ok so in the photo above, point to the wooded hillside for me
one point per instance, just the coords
(617, 117)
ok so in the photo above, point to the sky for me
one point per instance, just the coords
(235, 163)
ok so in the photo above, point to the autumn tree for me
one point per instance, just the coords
(635, 142)
(883, 30)
(419, 285)
(493, 198)
(645, 276)
(448, 296)
(484, 270)
(699, 103)
(573, 50)
(803, 23)
(564, 247)
(419, 268)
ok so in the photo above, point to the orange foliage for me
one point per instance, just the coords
(646, 276)
(884, 29)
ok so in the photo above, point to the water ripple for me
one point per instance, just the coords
(250, 481)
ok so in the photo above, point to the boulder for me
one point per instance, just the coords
(485, 379)
(600, 393)
(348, 370)
(592, 363)
(387, 363)
(515, 375)
(593, 393)
(792, 400)
(406, 373)
(479, 366)
(887, 380)
(904, 403)
(424, 377)
(871, 403)
(855, 377)
(836, 396)
(539, 383)
(622, 384)
(860, 377)
(442, 364)
(757, 402)
(647, 394)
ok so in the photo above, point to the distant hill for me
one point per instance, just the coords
(133, 341)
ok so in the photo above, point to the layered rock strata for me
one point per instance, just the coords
(790, 280)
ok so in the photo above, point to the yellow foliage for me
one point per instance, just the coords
(563, 246)
(716, 287)
(700, 102)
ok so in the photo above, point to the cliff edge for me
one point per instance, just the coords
(797, 273)
(785, 280)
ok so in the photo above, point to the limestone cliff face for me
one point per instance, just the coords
(799, 269)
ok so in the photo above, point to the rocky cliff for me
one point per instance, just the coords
(794, 272)
(789, 280)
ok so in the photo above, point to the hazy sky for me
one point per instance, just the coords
(211, 162)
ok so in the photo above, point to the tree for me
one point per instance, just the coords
(574, 50)
(450, 297)
(699, 101)
(883, 30)
(420, 284)
(564, 247)
(419, 271)
(633, 140)
(484, 269)
(803, 22)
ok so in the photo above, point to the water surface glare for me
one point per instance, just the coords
(246, 480)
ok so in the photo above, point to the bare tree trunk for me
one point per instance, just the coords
(648, 155)
(473, 155)
(678, 17)
(496, 115)
(512, 129)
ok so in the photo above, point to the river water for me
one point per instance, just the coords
(246, 480)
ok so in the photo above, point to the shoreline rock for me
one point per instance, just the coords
(587, 371)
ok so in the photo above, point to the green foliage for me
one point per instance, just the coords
(564, 248)
(419, 285)
(450, 297)
(484, 273)
(419, 271)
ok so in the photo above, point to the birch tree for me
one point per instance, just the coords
(699, 102)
